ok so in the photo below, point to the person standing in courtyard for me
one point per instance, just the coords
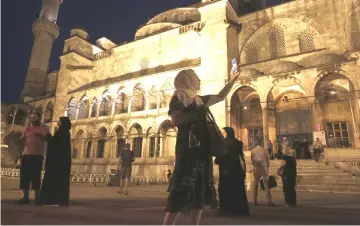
(125, 168)
(289, 177)
(55, 189)
(261, 163)
(32, 157)
(232, 170)
(317, 146)
(186, 109)
(270, 149)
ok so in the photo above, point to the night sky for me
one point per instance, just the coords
(117, 20)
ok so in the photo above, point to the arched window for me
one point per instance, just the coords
(138, 101)
(252, 53)
(121, 104)
(277, 42)
(71, 109)
(49, 112)
(102, 133)
(165, 100)
(166, 93)
(105, 105)
(306, 42)
(136, 135)
(94, 107)
(84, 108)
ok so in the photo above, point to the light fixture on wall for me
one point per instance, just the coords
(245, 107)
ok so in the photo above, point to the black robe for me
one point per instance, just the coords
(232, 193)
(55, 189)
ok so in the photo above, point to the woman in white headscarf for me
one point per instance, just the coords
(192, 184)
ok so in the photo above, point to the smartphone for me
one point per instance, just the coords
(234, 65)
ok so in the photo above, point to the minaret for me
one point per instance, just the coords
(45, 32)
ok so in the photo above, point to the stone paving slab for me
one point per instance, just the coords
(145, 204)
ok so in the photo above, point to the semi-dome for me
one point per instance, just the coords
(285, 66)
(325, 59)
(168, 20)
(179, 16)
(152, 29)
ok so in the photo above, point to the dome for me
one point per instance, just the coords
(179, 16)
(325, 59)
(250, 73)
(168, 20)
(152, 29)
(285, 66)
(79, 32)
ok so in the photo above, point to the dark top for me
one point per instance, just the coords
(231, 160)
(290, 167)
(127, 157)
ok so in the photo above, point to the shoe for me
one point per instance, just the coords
(256, 204)
(23, 201)
(126, 193)
(272, 204)
(119, 192)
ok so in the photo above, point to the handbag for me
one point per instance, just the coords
(272, 183)
(217, 144)
(280, 171)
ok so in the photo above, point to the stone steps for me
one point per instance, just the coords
(319, 177)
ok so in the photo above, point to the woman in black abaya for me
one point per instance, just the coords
(232, 193)
(55, 189)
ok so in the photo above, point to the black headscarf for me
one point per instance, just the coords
(230, 133)
(65, 123)
(231, 140)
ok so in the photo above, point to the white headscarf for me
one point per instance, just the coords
(187, 86)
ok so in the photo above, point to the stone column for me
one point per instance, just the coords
(113, 107)
(312, 103)
(77, 112)
(129, 105)
(265, 123)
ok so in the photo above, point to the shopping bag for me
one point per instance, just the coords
(272, 183)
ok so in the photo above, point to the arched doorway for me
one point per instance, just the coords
(153, 142)
(84, 107)
(136, 136)
(292, 114)
(101, 142)
(336, 110)
(88, 146)
(167, 138)
(120, 140)
(105, 104)
(78, 144)
(246, 116)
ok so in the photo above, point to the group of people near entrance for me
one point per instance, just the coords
(192, 181)
(302, 150)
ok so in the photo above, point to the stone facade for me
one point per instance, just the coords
(299, 65)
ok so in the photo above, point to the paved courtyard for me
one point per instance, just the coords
(145, 203)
